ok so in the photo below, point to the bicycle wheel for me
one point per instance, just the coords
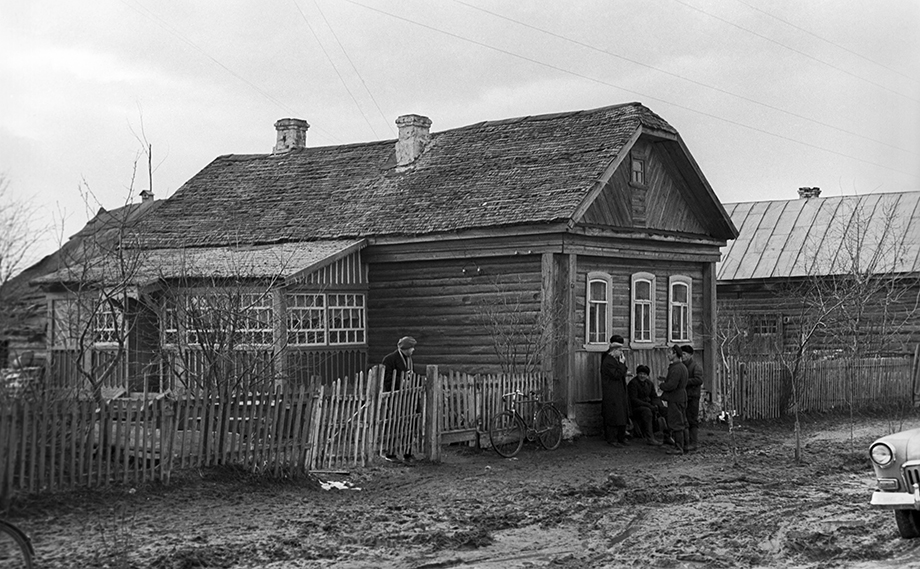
(15, 548)
(506, 433)
(548, 425)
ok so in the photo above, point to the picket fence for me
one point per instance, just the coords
(762, 389)
(52, 445)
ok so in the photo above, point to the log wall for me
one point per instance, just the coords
(442, 304)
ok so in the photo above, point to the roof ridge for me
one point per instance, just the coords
(851, 196)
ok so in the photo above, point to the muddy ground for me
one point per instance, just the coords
(583, 505)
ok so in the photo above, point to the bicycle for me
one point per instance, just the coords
(508, 429)
(15, 547)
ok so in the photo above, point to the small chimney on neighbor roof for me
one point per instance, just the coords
(806, 193)
(292, 133)
(413, 137)
(146, 196)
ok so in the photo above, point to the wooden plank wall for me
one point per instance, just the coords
(902, 315)
(587, 364)
(440, 303)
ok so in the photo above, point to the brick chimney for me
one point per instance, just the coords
(413, 137)
(805, 193)
(292, 133)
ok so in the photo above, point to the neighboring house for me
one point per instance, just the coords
(511, 244)
(790, 250)
(25, 323)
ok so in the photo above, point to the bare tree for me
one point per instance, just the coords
(94, 300)
(863, 289)
(521, 332)
(219, 325)
(20, 233)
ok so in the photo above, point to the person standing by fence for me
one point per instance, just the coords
(674, 392)
(397, 364)
(694, 390)
(615, 399)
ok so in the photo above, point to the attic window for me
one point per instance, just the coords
(638, 171)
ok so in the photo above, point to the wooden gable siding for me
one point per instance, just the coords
(347, 271)
(440, 303)
(585, 378)
(659, 205)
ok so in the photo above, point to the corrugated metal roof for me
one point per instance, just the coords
(253, 262)
(801, 237)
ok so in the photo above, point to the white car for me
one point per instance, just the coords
(896, 460)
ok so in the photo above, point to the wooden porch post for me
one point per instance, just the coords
(549, 301)
(710, 330)
(433, 414)
(570, 285)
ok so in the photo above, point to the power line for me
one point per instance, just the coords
(602, 82)
(844, 48)
(695, 82)
(163, 24)
(355, 69)
(802, 53)
(335, 67)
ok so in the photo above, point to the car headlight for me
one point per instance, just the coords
(881, 454)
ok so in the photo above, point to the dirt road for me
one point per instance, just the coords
(584, 505)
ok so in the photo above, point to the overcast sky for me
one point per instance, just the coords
(769, 96)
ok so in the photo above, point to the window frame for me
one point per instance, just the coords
(650, 279)
(684, 281)
(309, 310)
(642, 171)
(356, 312)
(603, 334)
(106, 312)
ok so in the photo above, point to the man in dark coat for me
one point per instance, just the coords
(398, 364)
(615, 400)
(694, 390)
(674, 392)
(645, 404)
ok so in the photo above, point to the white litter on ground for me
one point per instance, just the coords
(337, 485)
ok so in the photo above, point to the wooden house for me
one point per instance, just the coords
(863, 244)
(24, 322)
(517, 244)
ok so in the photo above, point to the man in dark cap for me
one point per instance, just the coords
(645, 404)
(674, 391)
(398, 364)
(615, 399)
(694, 390)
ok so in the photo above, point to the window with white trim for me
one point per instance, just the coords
(333, 319)
(256, 325)
(679, 317)
(642, 326)
(107, 323)
(346, 318)
(306, 322)
(598, 318)
(169, 323)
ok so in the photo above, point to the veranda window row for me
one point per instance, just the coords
(311, 319)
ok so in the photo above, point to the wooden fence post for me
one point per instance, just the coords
(433, 402)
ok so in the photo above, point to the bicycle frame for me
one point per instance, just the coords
(514, 398)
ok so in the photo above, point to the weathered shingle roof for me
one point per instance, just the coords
(143, 267)
(498, 173)
(815, 236)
